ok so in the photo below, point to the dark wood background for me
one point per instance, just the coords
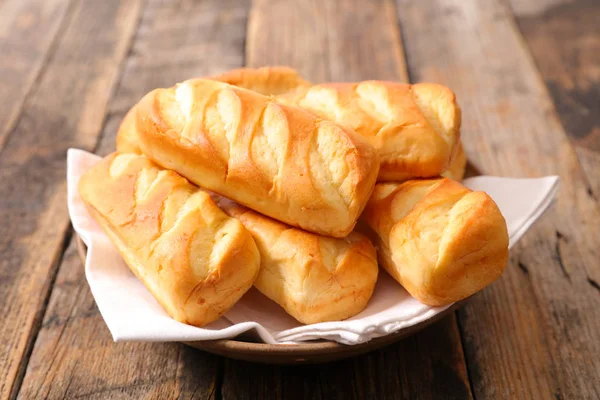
(527, 75)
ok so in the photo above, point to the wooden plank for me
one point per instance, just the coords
(429, 364)
(64, 109)
(345, 40)
(422, 366)
(28, 28)
(533, 334)
(563, 38)
(74, 354)
(322, 41)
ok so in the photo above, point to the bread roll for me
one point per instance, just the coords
(458, 165)
(194, 259)
(440, 240)
(281, 161)
(415, 128)
(314, 278)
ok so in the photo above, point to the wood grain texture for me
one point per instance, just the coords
(322, 40)
(28, 29)
(59, 113)
(388, 373)
(565, 43)
(74, 355)
(534, 333)
(345, 41)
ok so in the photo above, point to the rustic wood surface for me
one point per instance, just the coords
(65, 108)
(527, 74)
(571, 70)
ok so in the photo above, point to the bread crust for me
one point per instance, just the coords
(194, 259)
(314, 278)
(279, 160)
(440, 240)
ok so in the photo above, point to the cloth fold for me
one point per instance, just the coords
(132, 314)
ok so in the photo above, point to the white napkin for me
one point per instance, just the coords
(131, 313)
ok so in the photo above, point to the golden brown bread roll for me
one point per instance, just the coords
(458, 165)
(281, 161)
(194, 259)
(415, 128)
(440, 240)
(314, 278)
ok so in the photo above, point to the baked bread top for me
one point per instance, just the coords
(194, 259)
(440, 240)
(279, 160)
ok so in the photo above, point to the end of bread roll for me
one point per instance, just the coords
(439, 106)
(194, 259)
(440, 240)
(314, 278)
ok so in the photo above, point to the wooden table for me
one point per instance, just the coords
(527, 75)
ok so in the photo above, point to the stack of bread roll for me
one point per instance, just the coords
(258, 177)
